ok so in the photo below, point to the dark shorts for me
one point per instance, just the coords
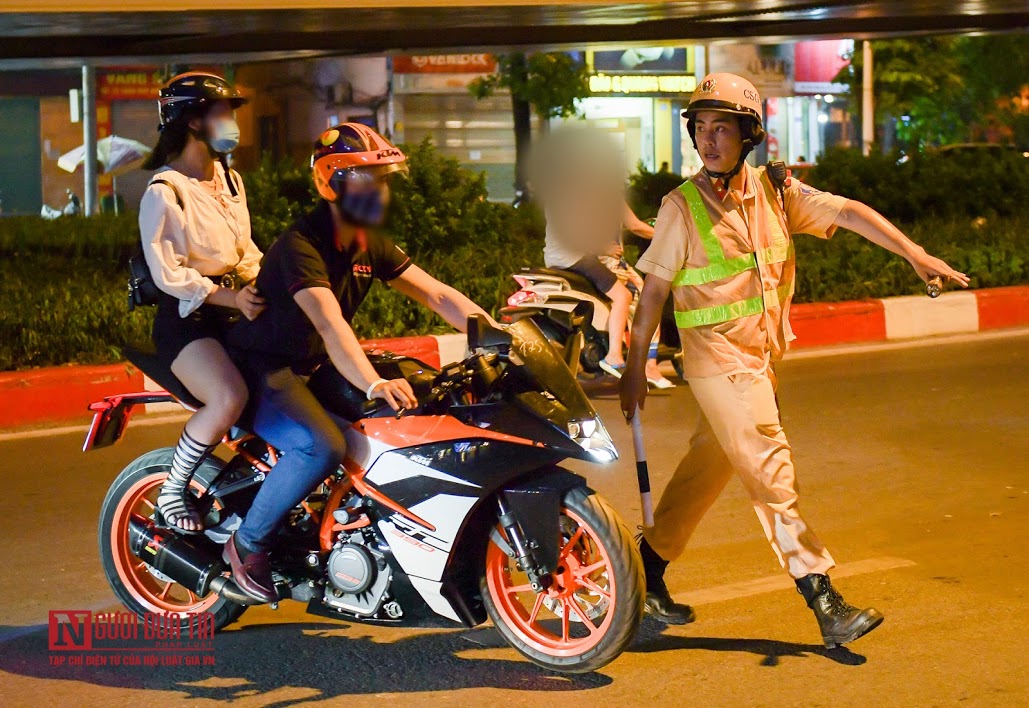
(172, 333)
(590, 267)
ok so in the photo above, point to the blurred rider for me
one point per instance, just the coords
(313, 278)
(723, 246)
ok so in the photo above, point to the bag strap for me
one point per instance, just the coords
(166, 183)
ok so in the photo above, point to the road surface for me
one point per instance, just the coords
(914, 466)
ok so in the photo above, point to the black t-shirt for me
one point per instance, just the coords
(309, 256)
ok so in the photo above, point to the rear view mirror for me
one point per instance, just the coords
(574, 319)
(481, 334)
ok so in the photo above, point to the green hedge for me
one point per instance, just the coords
(62, 283)
(929, 184)
(62, 292)
(993, 252)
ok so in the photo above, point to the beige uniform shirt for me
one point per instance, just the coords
(749, 343)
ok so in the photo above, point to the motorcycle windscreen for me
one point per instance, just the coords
(531, 349)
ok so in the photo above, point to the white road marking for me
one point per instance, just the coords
(735, 591)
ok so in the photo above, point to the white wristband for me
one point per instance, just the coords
(368, 393)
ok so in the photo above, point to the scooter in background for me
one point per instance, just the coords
(550, 296)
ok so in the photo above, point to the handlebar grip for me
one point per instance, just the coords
(934, 287)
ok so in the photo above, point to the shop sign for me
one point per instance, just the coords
(769, 67)
(669, 60)
(637, 84)
(445, 64)
(129, 84)
(816, 64)
(105, 183)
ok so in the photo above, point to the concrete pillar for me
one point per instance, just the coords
(867, 104)
(90, 200)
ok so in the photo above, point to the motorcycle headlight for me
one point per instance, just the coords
(592, 436)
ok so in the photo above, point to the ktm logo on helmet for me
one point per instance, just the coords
(387, 153)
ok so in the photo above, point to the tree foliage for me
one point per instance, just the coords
(944, 89)
(550, 82)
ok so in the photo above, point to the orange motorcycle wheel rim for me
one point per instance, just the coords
(584, 571)
(151, 592)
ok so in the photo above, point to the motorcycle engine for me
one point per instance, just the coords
(359, 577)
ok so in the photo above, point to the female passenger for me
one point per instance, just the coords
(195, 229)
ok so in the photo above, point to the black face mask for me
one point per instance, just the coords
(361, 200)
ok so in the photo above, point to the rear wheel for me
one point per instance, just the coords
(590, 612)
(593, 351)
(143, 589)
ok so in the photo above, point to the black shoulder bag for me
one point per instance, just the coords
(142, 289)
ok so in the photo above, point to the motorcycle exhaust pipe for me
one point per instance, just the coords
(224, 586)
(193, 562)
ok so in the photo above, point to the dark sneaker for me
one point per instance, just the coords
(659, 603)
(251, 572)
(840, 622)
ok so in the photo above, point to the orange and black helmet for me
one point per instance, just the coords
(194, 91)
(352, 147)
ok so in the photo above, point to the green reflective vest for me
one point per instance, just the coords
(740, 275)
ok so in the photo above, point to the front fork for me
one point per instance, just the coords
(522, 549)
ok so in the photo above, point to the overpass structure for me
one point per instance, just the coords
(57, 32)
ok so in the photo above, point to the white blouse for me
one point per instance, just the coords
(209, 235)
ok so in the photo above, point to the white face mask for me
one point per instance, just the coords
(224, 135)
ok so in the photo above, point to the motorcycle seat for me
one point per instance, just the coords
(574, 280)
(146, 360)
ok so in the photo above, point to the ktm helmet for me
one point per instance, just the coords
(352, 147)
(194, 91)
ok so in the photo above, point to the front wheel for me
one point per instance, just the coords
(590, 612)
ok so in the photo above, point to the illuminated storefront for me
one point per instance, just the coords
(795, 81)
(637, 97)
(431, 99)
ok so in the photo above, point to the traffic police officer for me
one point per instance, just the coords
(723, 246)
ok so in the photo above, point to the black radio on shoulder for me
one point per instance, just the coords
(777, 175)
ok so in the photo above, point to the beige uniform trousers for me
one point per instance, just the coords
(738, 430)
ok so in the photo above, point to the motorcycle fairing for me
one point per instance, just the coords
(431, 489)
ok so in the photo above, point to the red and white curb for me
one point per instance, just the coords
(909, 317)
(62, 393)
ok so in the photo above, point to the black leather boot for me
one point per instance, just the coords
(840, 623)
(660, 604)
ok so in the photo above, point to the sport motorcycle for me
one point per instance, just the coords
(449, 514)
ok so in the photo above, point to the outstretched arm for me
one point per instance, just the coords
(866, 221)
(439, 297)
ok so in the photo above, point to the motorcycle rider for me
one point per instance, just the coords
(195, 231)
(313, 279)
(580, 176)
(723, 247)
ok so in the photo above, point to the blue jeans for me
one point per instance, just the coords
(289, 417)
